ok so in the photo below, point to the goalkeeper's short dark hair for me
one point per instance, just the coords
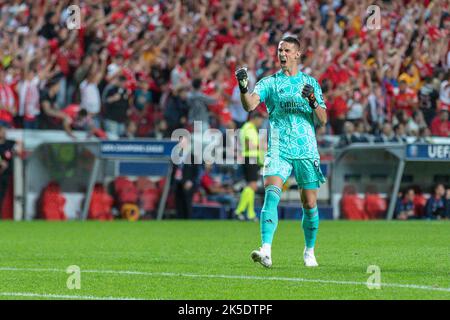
(292, 39)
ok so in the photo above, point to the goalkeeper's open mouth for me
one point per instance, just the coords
(283, 61)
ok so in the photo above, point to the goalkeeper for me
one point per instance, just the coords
(295, 104)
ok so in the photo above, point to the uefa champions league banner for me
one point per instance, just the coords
(436, 152)
(137, 149)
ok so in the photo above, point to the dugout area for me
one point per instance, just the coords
(380, 169)
(386, 169)
(74, 169)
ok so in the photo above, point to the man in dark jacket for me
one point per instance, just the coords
(186, 177)
(177, 109)
(116, 102)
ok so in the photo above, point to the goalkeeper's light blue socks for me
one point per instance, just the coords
(269, 216)
(310, 224)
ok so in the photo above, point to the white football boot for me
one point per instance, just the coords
(262, 257)
(309, 258)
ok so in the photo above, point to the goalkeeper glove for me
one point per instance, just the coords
(242, 78)
(308, 93)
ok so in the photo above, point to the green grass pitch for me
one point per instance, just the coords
(211, 260)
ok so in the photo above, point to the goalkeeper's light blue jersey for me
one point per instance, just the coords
(290, 115)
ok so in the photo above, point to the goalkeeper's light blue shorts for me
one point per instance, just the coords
(307, 171)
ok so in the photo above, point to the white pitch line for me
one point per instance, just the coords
(60, 296)
(224, 276)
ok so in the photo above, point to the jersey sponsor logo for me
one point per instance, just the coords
(292, 107)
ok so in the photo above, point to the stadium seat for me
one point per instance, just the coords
(52, 203)
(352, 206)
(125, 191)
(149, 199)
(144, 183)
(101, 204)
(121, 183)
(375, 206)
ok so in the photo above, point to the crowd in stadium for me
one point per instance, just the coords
(137, 68)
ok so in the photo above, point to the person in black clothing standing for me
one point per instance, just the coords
(186, 176)
(177, 109)
(428, 97)
(51, 116)
(116, 102)
(6, 157)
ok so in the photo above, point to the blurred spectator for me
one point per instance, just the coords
(428, 97)
(90, 93)
(77, 118)
(176, 112)
(411, 77)
(130, 131)
(415, 123)
(116, 101)
(444, 96)
(359, 136)
(322, 141)
(51, 116)
(346, 137)
(160, 131)
(142, 97)
(386, 135)
(178, 75)
(435, 207)
(424, 136)
(406, 99)
(440, 126)
(338, 109)
(405, 208)
(198, 104)
(355, 107)
(377, 107)
(7, 102)
(399, 134)
(215, 191)
(29, 97)
(50, 29)
(186, 176)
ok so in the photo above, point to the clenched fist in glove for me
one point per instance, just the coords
(308, 93)
(242, 78)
